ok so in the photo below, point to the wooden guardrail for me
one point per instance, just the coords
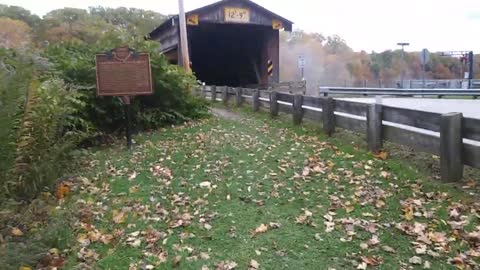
(327, 91)
(456, 139)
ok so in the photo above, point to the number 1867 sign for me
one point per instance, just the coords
(123, 72)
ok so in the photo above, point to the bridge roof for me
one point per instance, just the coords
(205, 14)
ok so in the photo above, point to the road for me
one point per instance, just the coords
(469, 108)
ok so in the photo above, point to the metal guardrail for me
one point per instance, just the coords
(406, 84)
(326, 91)
(456, 139)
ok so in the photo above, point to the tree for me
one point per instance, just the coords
(135, 21)
(19, 13)
(14, 34)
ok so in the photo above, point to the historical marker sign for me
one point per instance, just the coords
(123, 72)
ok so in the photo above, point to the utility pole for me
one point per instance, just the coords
(403, 44)
(185, 61)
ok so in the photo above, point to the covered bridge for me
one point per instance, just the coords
(231, 42)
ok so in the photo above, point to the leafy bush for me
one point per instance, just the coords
(171, 103)
(49, 131)
(60, 109)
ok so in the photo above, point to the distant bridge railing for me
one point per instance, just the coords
(327, 91)
(406, 84)
(456, 139)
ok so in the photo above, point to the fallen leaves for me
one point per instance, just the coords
(63, 188)
(415, 260)
(263, 228)
(305, 219)
(16, 232)
(361, 203)
(370, 261)
(260, 229)
(118, 217)
(206, 184)
(253, 265)
(226, 265)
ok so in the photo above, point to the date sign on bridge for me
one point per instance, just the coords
(124, 73)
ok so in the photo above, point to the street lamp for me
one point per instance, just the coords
(403, 44)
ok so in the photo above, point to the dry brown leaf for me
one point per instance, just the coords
(374, 241)
(275, 225)
(106, 239)
(133, 189)
(389, 249)
(383, 155)
(371, 261)
(415, 260)
(205, 184)
(260, 229)
(118, 217)
(379, 204)
(16, 232)
(176, 261)
(226, 265)
(362, 266)
(62, 190)
(253, 265)
(408, 212)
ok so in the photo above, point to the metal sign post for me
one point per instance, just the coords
(301, 66)
(424, 58)
(128, 129)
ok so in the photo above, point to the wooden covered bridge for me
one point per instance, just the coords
(231, 42)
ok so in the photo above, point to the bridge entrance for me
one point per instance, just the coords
(231, 42)
(224, 54)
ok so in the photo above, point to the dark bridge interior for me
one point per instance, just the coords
(227, 54)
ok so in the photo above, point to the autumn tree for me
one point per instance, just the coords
(14, 34)
(19, 13)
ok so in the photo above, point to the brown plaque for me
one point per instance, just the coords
(123, 73)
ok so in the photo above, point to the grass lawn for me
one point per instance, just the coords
(257, 193)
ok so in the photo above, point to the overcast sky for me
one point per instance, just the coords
(377, 25)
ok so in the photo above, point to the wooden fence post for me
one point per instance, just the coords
(238, 97)
(225, 95)
(328, 115)
(451, 147)
(297, 109)
(203, 92)
(256, 100)
(213, 93)
(374, 127)
(273, 103)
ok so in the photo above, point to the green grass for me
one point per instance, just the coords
(255, 168)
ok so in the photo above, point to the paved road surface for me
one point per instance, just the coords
(469, 108)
